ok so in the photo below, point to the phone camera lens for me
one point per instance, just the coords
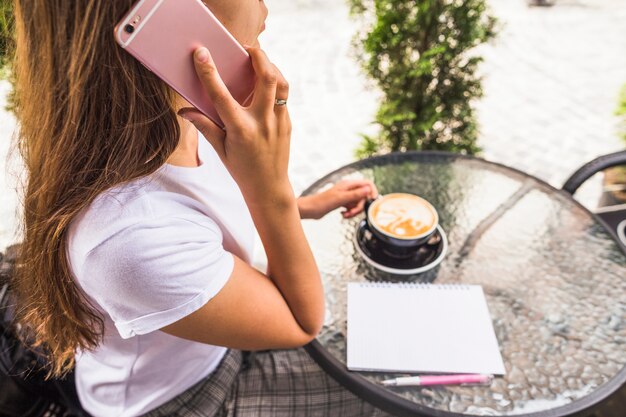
(129, 28)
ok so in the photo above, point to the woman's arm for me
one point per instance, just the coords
(254, 311)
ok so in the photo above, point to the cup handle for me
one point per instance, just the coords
(368, 203)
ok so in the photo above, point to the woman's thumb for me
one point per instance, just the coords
(212, 132)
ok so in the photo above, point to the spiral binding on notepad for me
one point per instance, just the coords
(415, 285)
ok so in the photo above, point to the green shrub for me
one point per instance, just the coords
(6, 35)
(419, 52)
(621, 111)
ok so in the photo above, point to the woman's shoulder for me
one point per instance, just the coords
(114, 207)
(124, 207)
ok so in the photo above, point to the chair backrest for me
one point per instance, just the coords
(591, 168)
(615, 215)
(24, 390)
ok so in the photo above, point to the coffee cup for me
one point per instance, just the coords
(402, 222)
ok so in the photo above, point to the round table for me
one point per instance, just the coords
(554, 279)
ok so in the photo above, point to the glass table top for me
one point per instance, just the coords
(553, 277)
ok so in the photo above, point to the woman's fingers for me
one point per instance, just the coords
(227, 107)
(359, 194)
(359, 183)
(353, 211)
(282, 87)
(353, 183)
(266, 81)
(282, 92)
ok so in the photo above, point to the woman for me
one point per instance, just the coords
(138, 232)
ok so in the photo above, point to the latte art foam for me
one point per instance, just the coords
(403, 215)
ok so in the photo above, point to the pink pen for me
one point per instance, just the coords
(425, 380)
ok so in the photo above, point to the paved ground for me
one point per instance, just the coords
(8, 196)
(551, 83)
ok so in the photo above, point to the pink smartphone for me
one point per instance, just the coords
(163, 34)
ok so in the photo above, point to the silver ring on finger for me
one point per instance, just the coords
(280, 102)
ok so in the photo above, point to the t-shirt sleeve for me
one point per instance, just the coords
(157, 271)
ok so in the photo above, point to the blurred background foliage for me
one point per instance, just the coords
(419, 52)
(621, 111)
(6, 36)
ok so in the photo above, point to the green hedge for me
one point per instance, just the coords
(621, 111)
(6, 34)
(420, 53)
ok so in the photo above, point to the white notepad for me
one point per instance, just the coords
(425, 328)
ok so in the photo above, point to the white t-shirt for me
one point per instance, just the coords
(147, 254)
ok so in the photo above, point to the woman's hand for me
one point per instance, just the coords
(350, 194)
(254, 146)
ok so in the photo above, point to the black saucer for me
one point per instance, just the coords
(425, 257)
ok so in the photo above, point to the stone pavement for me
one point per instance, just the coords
(551, 81)
(329, 105)
(8, 169)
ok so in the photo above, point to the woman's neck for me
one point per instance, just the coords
(186, 153)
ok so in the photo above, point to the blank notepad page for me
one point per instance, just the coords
(421, 328)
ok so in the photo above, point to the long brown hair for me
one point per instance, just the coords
(90, 117)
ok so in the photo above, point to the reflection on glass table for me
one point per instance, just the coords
(553, 277)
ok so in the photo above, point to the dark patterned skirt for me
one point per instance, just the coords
(276, 383)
